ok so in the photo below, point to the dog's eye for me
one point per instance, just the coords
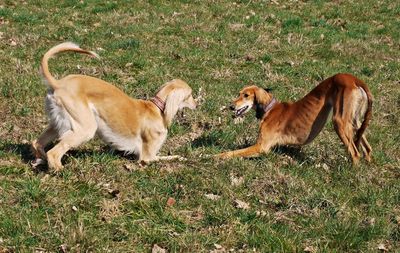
(245, 95)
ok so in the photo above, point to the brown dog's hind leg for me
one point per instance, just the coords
(347, 138)
(366, 148)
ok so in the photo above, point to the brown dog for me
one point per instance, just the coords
(300, 122)
(81, 106)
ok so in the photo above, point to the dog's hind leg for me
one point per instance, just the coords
(351, 147)
(342, 121)
(360, 107)
(38, 145)
(366, 148)
(70, 139)
(83, 129)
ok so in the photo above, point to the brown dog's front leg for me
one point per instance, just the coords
(254, 150)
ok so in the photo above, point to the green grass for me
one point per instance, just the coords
(310, 198)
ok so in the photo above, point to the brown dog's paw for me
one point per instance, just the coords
(221, 156)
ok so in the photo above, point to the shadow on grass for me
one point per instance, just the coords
(21, 149)
(24, 151)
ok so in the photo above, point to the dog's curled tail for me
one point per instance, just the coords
(368, 113)
(63, 47)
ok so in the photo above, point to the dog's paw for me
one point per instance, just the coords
(143, 163)
(221, 156)
(55, 167)
(37, 162)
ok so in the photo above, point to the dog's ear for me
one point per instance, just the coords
(269, 90)
(261, 96)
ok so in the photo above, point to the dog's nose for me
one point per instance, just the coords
(232, 107)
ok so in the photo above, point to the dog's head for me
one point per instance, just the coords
(178, 95)
(249, 98)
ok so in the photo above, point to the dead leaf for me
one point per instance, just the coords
(176, 14)
(236, 181)
(109, 209)
(249, 57)
(171, 201)
(241, 204)
(382, 247)
(217, 246)
(12, 42)
(218, 249)
(200, 97)
(261, 213)
(310, 249)
(130, 167)
(235, 27)
(5, 250)
(158, 249)
(212, 196)
(114, 192)
(63, 248)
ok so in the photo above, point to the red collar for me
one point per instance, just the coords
(159, 103)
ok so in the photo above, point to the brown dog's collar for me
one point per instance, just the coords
(261, 110)
(269, 106)
(159, 103)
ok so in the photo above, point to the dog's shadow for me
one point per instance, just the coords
(25, 153)
(213, 140)
(23, 150)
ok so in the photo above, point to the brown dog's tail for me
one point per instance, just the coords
(368, 113)
(66, 46)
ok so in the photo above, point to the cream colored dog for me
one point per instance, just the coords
(81, 106)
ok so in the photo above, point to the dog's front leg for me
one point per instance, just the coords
(170, 158)
(162, 158)
(254, 150)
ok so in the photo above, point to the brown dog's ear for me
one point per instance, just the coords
(268, 90)
(261, 96)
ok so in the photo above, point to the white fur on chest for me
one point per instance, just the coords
(128, 144)
(123, 143)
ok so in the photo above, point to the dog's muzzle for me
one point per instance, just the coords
(239, 112)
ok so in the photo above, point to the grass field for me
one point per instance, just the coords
(310, 200)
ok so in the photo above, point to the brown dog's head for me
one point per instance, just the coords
(249, 98)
